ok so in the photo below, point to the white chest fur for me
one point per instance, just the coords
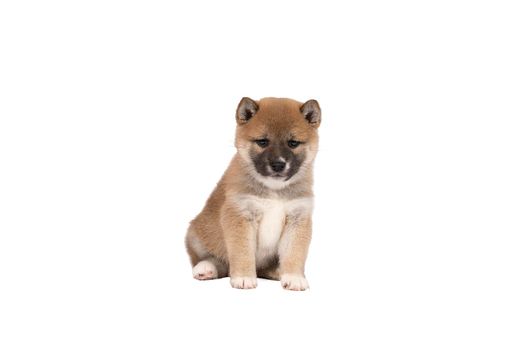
(271, 224)
(270, 217)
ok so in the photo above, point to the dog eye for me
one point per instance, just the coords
(293, 143)
(262, 142)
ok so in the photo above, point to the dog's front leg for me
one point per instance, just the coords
(293, 249)
(240, 238)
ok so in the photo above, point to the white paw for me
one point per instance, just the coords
(205, 270)
(243, 282)
(294, 282)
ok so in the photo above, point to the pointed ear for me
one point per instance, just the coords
(246, 110)
(312, 112)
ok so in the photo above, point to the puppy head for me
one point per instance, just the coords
(277, 138)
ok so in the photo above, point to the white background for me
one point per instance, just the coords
(117, 120)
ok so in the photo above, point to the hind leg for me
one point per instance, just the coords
(209, 269)
(204, 265)
(205, 270)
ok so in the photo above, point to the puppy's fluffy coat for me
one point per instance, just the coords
(257, 222)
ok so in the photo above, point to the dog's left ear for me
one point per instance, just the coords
(312, 112)
(246, 110)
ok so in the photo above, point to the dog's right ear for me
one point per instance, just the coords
(246, 110)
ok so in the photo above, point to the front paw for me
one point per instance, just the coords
(294, 282)
(243, 282)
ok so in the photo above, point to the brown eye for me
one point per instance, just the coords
(262, 143)
(293, 143)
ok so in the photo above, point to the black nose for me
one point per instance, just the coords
(277, 166)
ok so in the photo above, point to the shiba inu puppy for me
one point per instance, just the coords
(257, 222)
